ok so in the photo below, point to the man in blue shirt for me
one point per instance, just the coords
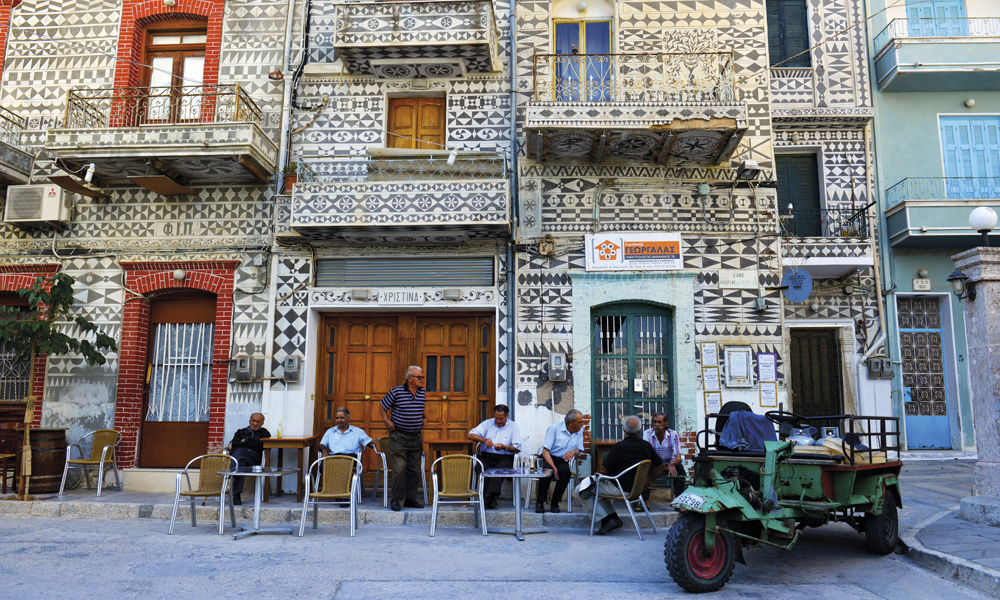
(500, 440)
(563, 443)
(345, 438)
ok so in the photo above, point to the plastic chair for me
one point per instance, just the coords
(457, 471)
(382, 448)
(635, 495)
(536, 460)
(210, 484)
(104, 443)
(339, 484)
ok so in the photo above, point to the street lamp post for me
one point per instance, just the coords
(983, 220)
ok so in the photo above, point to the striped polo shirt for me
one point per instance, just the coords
(407, 410)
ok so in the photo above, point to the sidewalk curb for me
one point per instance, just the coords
(963, 571)
(293, 513)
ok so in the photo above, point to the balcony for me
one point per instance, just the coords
(15, 161)
(409, 197)
(422, 39)
(938, 55)
(165, 139)
(669, 109)
(828, 243)
(933, 212)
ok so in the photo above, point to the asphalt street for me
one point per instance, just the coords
(134, 558)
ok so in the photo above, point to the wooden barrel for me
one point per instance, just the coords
(48, 457)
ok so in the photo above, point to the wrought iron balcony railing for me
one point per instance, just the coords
(423, 167)
(11, 127)
(835, 222)
(664, 77)
(943, 188)
(924, 28)
(131, 107)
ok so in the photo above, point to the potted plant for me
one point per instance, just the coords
(49, 303)
(291, 174)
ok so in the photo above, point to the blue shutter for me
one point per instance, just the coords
(939, 18)
(971, 153)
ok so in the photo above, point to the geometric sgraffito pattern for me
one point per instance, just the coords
(922, 355)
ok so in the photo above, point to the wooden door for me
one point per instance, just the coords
(814, 363)
(365, 356)
(413, 119)
(178, 386)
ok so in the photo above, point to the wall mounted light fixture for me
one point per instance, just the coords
(960, 284)
(179, 275)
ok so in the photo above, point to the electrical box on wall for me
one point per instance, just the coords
(886, 368)
(293, 367)
(241, 368)
(557, 366)
(880, 368)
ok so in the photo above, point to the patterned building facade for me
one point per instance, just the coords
(634, 119)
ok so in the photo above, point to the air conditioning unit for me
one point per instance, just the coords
(37, 206)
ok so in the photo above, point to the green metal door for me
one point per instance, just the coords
(633, 366)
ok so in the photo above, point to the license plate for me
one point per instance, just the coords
(689, 500)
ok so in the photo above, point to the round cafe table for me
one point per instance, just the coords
(259, 474)
(517, 474)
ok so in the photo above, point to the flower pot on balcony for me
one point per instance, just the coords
(289, 182)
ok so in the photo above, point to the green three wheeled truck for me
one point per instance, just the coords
(747, 499)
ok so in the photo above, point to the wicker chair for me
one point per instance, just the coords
(8, 452)
(210, 484)
(536, 460)
(382, 468)
(634, 495)
(340, 483)
(457, 483)
(102, 455)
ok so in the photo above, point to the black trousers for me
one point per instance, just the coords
(492, 460)
(562, 468)
(246, 458)
(404, 451)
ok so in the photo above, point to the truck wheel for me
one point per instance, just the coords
(882, 531)
(687, 562)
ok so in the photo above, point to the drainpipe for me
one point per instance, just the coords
(511, 310)
(288, 83)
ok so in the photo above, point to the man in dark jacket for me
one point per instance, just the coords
(247, 447)
(626, 453)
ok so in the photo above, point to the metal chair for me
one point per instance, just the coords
(104, 443)
(340, 482)
(635, 495)
(457, 471)
(210, 484)
(381, 447)
(534, 461)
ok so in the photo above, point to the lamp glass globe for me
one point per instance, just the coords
(983, 218)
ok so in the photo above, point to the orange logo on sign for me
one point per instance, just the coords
(607, 250)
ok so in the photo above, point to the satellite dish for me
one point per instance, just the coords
(797, 285)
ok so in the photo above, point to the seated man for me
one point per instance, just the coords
(626, 453)
(248, 449)
(563, 442)
(344, 439)
(667, 444)
(501, 440)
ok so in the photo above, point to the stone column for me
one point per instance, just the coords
(982, 330)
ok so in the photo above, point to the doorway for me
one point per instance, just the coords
(925, 389)
(178, 380)
(365, 356)
(815, 373)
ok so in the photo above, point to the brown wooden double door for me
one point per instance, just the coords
(365, 356)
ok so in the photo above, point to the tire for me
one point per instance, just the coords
(687, 563)
(882, 530)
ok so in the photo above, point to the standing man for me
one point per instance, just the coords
(626, 453)
(667, 444)
(345, 438)
(501, 440)
(402, 411)
(247, 448)
(563, 443)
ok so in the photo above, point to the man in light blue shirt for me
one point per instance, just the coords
(500, 440)
(563, 443)
(345, 438)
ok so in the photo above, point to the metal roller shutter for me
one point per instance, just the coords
(472, 271)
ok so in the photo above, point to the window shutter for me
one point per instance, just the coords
(402, 122)
(798, 185)
(430, 123)
(796, 33)
(774, 32)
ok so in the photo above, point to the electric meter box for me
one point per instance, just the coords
(557, 366)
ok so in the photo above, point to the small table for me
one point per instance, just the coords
(437, 448)
(517, 475)
(258, 492)
(297, 443)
